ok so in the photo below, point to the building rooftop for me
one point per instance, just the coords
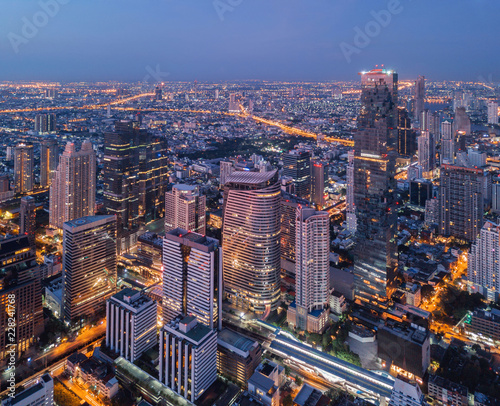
(13, 244)
(262, 382)
(236, 340)
(85, 221)
(250, 178)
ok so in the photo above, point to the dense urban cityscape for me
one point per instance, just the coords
(250, 242)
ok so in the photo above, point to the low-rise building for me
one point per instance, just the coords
(53, 296)
(406, 393)
(486, 323)
(338, 304)
(237, 356)
(309, 396)
(447, 392)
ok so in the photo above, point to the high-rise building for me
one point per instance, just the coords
(419, 96)
(312, 278)
(420, 192)
(158, 93)
(448, 148)
(135, 179)
(45, 123)
(483, 265)
(375, 150)
(461, 127)
(27, 218)
(492, 112)
(226, 169)
(426, 152)
(319, 177)
(407, 144)
(461, 201)
(188, 357)
(289, 205)
(350, 205)
(23, 168)
(297, 165)
(233, 104)
(131, 319)
(20, 295)
(89, 265)
(251, 240)
(495, 197)
(4, 183)
(48, 161)
(73, 188)
(192, 277)
(185, 207)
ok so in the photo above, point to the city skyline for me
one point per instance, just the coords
(240, 40)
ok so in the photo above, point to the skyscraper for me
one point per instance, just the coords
(89, 265)
(233, 104)
(158, 93)
(188, 357)
(319, 176)
(23, 168)
(226, 169)
(135, 179)
(312, 278)
(419, 96)
(27, 218)
(426, 152)
(374, 169)
(192, 277)
(73, 188)
(461, 127)
(48, 161)
(19, 290)
(447, 143)
(483, 265)
(185, 208)
(131, 319)
(461, 201)
(45, 123)
(350, 206)
(492, 112)
(297, 165)
(251, 240)
(407, 145)
(289, 205)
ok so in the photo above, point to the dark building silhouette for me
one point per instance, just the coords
(407, 137)
(375, 151)
(297, 165)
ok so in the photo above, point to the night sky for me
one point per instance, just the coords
(216, 40)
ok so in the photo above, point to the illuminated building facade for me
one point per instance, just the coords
(135, 179)
(188, 357)
(312, 277)
(461, 202)
(492, 112)
(297, 165)
(251, 240)
(319, 176)
(27, 218)
(48, 161)
(407, 140)
(130, 323)
(483, 265)
(350, 205)
(19, 289)
(45, 123)
(73, 188)
(192, 277)
(374, 169)
(185, 208)
(419, 96)
(426, 152)
(24, 181)
(89, 265)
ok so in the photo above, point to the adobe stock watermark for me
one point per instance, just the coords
(48, 10)
(363, 37)
(223, 6)
(156, 75)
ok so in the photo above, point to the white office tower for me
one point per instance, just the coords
(73, 188)
(350, 207)
(447, 143)
(426, 152)
(188, 357)
(483, 265)
(192, 277)
(312, 270)
(185, 208)
(251, 240)
(406, 393)
(131, 319)
(492, 112)
(40, 394)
